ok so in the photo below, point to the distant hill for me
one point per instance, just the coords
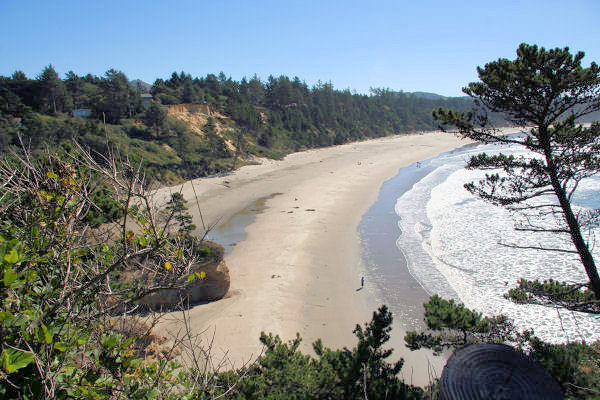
(592, 117)
(428, 96)
(141, 85)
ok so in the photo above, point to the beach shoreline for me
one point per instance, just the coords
(299, 267)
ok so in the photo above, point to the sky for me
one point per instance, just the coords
(420, 45)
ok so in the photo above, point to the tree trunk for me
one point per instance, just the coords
(574, 229)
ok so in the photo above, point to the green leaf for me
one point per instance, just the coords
(152, 394)
(31, 276)
(4, 360)
(60, 346)
(109, 341)
(9, 276)
(127, 342)
(44, 334)
(12, 257)
(191, 278)
(13, 360)
(51, 175)
(5, 315)
(200, 275)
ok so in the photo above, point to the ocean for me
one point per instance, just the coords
(428, 235)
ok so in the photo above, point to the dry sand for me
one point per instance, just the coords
(300, 265)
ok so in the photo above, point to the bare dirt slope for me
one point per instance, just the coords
(195, 116)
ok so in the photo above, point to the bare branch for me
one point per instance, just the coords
(516, 246)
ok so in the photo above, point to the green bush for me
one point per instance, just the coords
(362, 372)
(575, 366)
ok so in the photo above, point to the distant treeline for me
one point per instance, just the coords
(287, 110)
(268, 118)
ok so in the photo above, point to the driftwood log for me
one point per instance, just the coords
(495, 372)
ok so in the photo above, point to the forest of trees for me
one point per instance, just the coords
(303, 116)
(62, 333)
(270, 118)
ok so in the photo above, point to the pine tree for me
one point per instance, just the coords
(177, 208)
(52, 90)
(543, 92)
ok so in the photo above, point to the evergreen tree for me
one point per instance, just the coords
(216, 144)
(155, 117)
(178, 210)
(283, 372)
(543, 92)
(256, 91)
(118, 99)
(364, 371)
(83, 92)
(189, 94)
(240, 144)
(19, 76)
(52, 91)
(574, 366)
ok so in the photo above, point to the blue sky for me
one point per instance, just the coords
(425, 45)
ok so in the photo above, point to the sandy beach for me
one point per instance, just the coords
(299, 267)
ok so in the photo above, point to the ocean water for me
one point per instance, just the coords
(449, 241)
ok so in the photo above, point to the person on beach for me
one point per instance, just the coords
(362, 282)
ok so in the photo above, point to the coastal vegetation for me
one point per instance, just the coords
(71, 320)
(575, 365)
(245, 118)
(543, 92)
(81, 244)
(69, 285)
(357, 373)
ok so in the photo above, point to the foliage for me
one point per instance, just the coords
(53, 94)
(117, 99)
(284, 372)
(67, 288)
(551, 292)
(363, 372)
(270, 118)
(575, 366)
(215, 143)
(155, 117)
(543, 92)
(453, 325)
(71, 230)
(58, 336)
(103, 207)
(176, 207)
(180, 154)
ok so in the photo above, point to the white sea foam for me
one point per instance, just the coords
(451, 242)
